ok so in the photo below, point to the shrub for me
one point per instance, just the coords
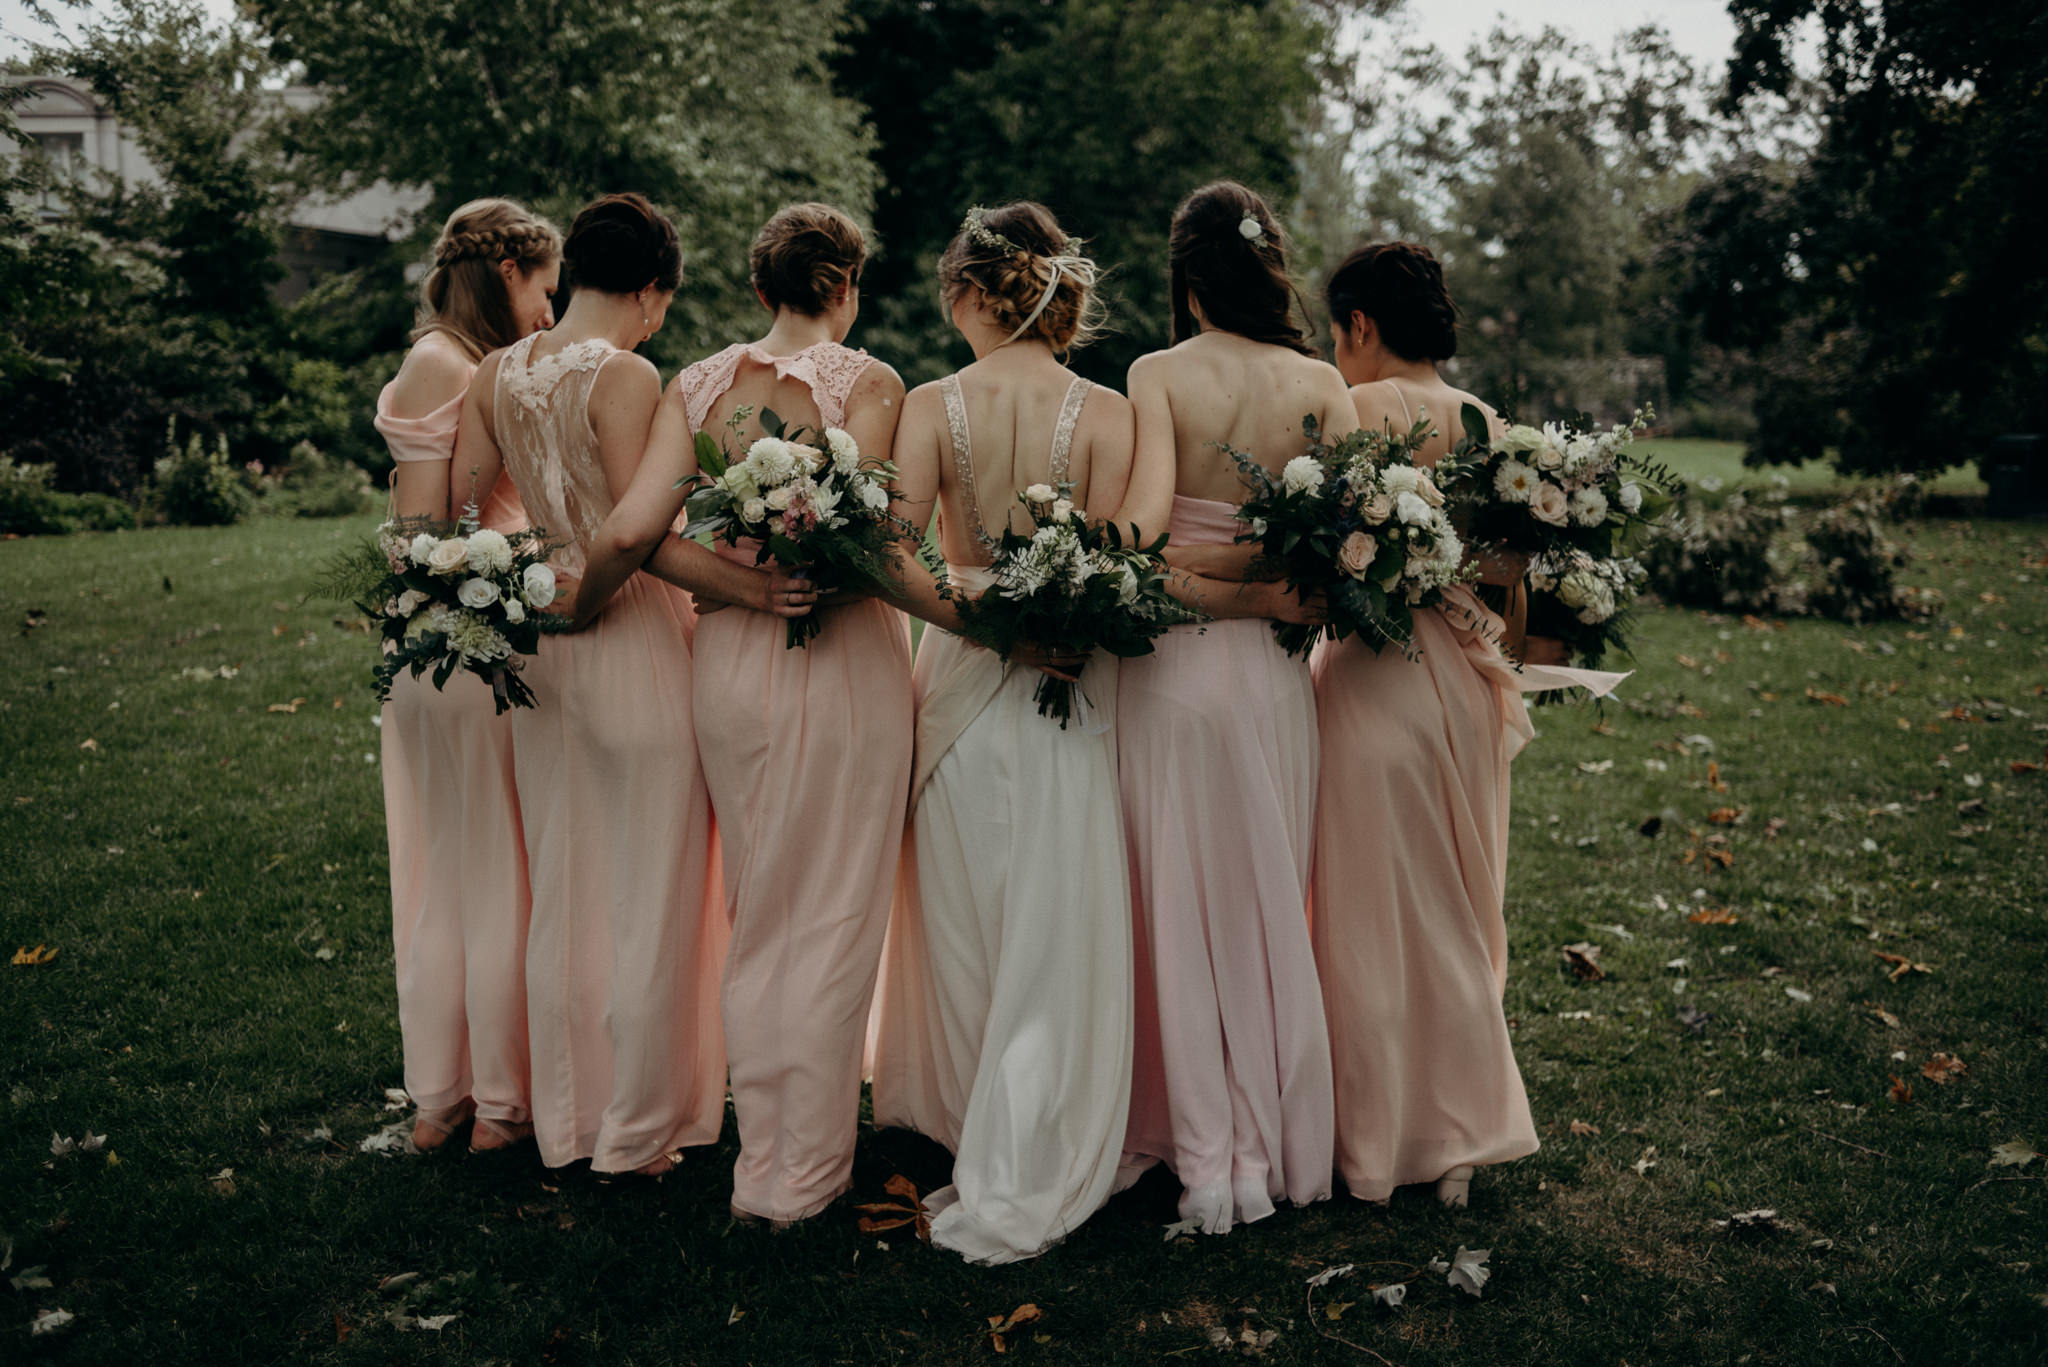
(1721, 557)
(93, 513)
(27, 507)
(1852, 563)
(315, 484)
(195, 487)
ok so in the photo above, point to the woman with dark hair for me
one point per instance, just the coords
(458, 865)
(807, 752)
(1217, 746)
(1004, 1030)
(1412, 819)
(624, 949)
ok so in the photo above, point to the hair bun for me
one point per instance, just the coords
(1009, 254)
(621, 244)
(806, 256)
(1400, 286)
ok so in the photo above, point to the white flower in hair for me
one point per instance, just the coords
(1249, 228)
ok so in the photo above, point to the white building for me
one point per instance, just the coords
(82, 137)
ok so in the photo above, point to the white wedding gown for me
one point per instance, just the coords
(1005, 1026)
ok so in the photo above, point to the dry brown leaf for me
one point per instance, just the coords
(1686, 709)
(1584, 1129)
(1773, 826)
(906, 1210)
(1884, 1017)
(1722, 857)
(1714, 777)
(2027, 766)
(1902, 1090)
(294, 705)
(1827, 699)
(1713, 916)
(88, 744)
(1725, 816)
(1584, 961)
(1901, 965)
(1943, 1069)
(30, 958)
(999, 1325)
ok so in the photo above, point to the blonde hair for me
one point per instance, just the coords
(806, 257)
(464, 294)
(1008, 254)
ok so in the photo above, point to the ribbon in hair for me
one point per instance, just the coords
(1080, 267)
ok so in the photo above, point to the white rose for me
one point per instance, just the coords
(1521, 437)
(489, 552)
(422, 547)
(449, 556)
(845, 450)
(410, 602)
(1355, 556)
(1258, 526)
(1514, 482)
(1631, 497)
(1040, 493)
(1430, 494)
(1062, 508)
(1302, 475)
(779, 498)
(1379, 507)
(1589, 507)
(740, 483)
(1547, 504)
(515, 611)
(754, 510)
(873, 496)
(1548, 457)
(1411, 509)
(537, 586)
(808, 458)
(477, 593)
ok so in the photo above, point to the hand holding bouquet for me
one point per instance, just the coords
(1358, 521)
(1069, 588)
(1561, 487)
(471, 599)
(811, 501)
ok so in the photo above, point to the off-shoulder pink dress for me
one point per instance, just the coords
(458, 860)
(1217, 751)
(1410, 879)
(625, 948)
(807, 753)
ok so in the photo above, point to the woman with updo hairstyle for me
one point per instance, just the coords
(1004, 1030)
(624, 948)
(1217, 747)
(1412, 819)
(807, 751)
(458, 864)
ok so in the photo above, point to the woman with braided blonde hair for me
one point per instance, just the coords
(458, 866)
(1004, 1030)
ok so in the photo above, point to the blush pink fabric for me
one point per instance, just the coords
(807, 753)
(626, 942)
(459, 900)
(1410, 879)
(1217, 750)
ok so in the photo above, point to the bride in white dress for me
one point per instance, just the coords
(1004, 1026)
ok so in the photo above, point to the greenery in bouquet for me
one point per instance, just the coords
(1563, 486)
(1069, 587)
(443, 599)
(808, 499)
(1584, 601)
(1360, 522)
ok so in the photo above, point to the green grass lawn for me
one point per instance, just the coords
(1722, 461)
(191, 820)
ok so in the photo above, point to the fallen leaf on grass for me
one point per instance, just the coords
(1647, 1161)
(2016, 1153)
(224, 1181)
(1902, 1090)
(1330, 1274)
(737, 1314)
(1714, 777)
(29, 958)
(49, 1322)
(1884, 1017)
(1599, 766)
(1797, 994)
(1901, 965)
(398, 1281)
(1468, 1269)
(1713, 916)
(1750, 1221)
(1943, 1069)
(1391, 1295)
(906, 1210)
(294, 705)
(1725, 816)
(88, 744)
(999, 1325)
(1584, 961)
(393, 1138)
(1584, 1129)
(1827, 699)
(2027, 766)
(1181, 1229)
(32, 1279)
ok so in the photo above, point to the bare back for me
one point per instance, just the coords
(1220, 387)
(813, 388)
(1403, 401)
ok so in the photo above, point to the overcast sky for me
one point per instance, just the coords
(1699, 28)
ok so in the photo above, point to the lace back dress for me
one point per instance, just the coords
(808, 754)
(1005, 1026)
(625, 946)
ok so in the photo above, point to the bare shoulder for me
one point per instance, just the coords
(878, 381)
(1105, 405)
(1377, 403)
(434, 373)
(1150, 371)
(626, 376)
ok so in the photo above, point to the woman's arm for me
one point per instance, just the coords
(914, 498)
(477, 463)
(1147, 504)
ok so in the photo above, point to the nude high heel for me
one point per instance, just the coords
(1454, 1188)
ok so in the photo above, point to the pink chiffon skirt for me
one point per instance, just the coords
(459, 901)
(1410, 874)
(807, 753)
(1231, 1085)
(627, 942)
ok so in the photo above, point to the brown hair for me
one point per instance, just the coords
(1008, 255)
(464, 294)
(1240, 281)
(806, 256)
(1400, 286)
(621, 244)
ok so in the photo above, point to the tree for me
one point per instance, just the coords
(1903, 257)
(719, 110)
(1107, 112)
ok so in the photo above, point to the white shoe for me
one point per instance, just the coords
(1454, 1188)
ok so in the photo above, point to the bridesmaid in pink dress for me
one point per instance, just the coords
(458, 866)
(807, 751)
(1412, 823)
(1217, 748)
(623, 954)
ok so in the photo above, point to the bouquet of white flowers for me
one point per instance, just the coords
(1359, 521)
(1583, 601)
(1563, 486)
(467, 598)
(814, 504)
(1070, 587)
